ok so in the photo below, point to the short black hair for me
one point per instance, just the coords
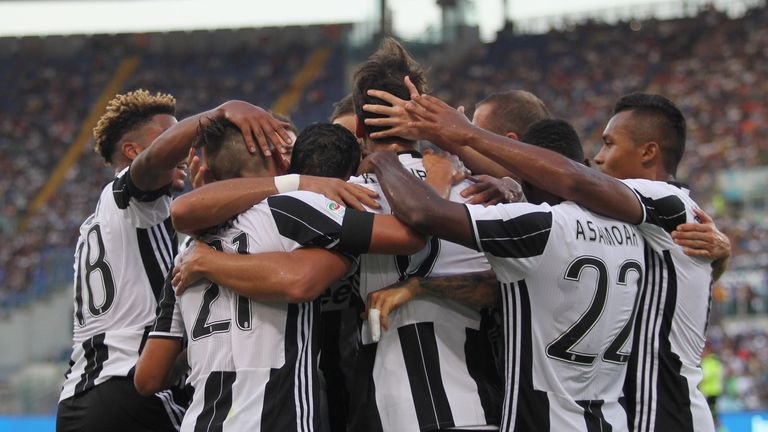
(659, 120)
(556, 135)
(325, 150)
(226, 151)
(385, 70)
(343, 107)
(514, 111)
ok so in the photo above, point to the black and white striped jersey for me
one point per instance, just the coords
(125, 249)
(664, 369)
(253, 364)
(433, 369)
(569, 281)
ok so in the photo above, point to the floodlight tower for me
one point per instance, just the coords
(455, 17)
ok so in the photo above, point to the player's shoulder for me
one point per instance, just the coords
(657, 189)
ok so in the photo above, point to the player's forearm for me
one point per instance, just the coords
(480, 164)
(153, 167)
(281, 277)
(560, 176)
(418, 206)
(719, 266)
(477, 290)
(155, 364)
(218, 202)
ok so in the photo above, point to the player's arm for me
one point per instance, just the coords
(153, 168)
(156, 362)
(397, 117)
(282, 277)
(418, 206)
(162, 353)
(476, 290)
(450, 129)
(217, 202)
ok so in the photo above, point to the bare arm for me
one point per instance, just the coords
(217, 202)
(430, 118)
(155, 365)
(281, 277)
(417, 205)
(543, 168)
(153, 167)
(476, 290)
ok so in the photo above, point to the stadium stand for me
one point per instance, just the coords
(579, 73)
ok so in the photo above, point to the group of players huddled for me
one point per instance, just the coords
(340, 280)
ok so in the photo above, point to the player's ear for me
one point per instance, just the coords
(513, 136)
(649, 151)
(130, 149)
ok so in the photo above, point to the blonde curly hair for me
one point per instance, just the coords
(125, 113)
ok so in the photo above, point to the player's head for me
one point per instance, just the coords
(227, 155)
(645, 138)
(509, 113)
(325, 150)
(558, 136)
(385, 70)
(344, 113)
(130, 124)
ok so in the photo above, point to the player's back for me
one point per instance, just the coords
(124, 251)
(426, 334)
(673, 312)
(569, 282)
(253, 364)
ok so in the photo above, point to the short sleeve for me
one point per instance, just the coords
(661, 203)
(168, 320)
(142, 209)
(517, 231)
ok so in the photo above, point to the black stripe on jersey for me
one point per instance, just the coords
(593, 416)
(632, 387)
(667, 212)
(155, 271)
(291, 396)
(521, 237)
(164, 314)
(217, 401)
(481, 366)
(673, 407)
(79, 287)
(123, 189)
(532, 411)
(363, 412)
(422, 364)
(96, 353)
(302, 222)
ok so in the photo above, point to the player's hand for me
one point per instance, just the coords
(349, 194)
(392, 297)
(187, 269)
(199, 174)
(443, 171)
(444, 126)
(702, 239)
(255, 122)
(489, 190)
(395, 116)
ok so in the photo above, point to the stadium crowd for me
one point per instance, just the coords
(577, 72)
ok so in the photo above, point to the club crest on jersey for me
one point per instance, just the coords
(335, 208)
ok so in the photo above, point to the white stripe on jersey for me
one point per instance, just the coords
(512, 326)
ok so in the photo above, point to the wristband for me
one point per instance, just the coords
(374, 321)
(287, 183)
